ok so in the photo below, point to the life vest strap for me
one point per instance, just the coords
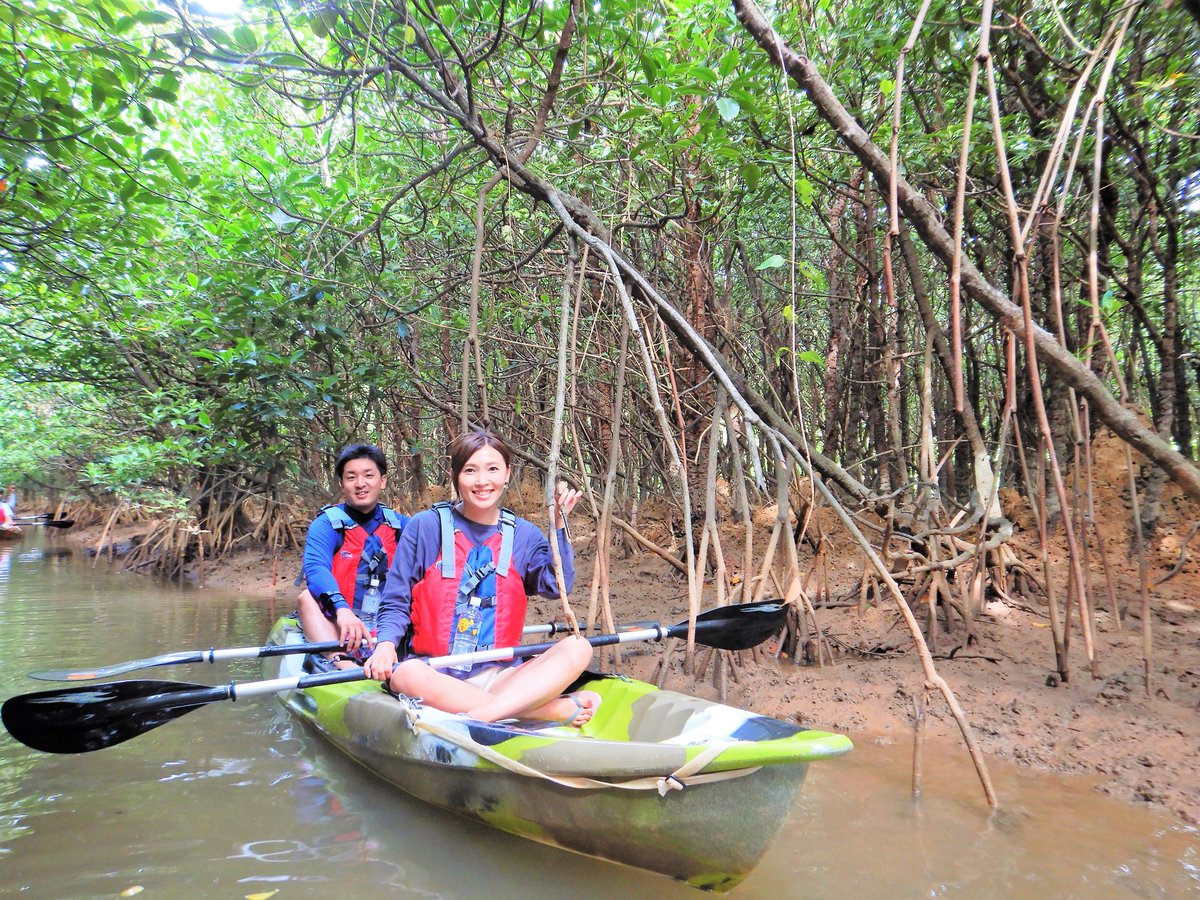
(338, 518)
(472, 580)
(508, 528)
(447, 523)
(342, 522)
(394, 519)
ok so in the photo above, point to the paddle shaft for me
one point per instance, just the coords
(501, 654)
(553, 628)
(212, 655)
(182, 657)
(246, 690)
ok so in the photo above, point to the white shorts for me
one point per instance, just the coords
(484, 675)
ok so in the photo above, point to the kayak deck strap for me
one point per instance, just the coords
(687, 774)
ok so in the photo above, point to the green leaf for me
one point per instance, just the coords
(218, 37)
(728, 108)
(774, 261)
(153, 17)
(245, 39)
(174, 165)
(650, 67)
(752, 175)
(729, 62)
(284, 60)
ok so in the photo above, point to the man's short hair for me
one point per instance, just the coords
(360, 451)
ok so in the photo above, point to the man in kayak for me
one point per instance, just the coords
(347, 552)
(459, 583)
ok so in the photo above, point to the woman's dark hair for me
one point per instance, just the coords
(467, 444)
(360, 451)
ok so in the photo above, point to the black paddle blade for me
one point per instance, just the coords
(83, 719)
(57, 523)
(737, 627)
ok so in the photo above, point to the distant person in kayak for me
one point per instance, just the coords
(347, 552)
(8, 508)
(459, 583)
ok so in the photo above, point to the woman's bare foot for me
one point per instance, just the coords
(577, 708)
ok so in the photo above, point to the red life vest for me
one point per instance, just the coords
(351, 570)
(436, 597)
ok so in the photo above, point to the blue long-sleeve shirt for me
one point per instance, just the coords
(421, 544)
(321, 543)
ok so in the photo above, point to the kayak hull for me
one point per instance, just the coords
(558, 785)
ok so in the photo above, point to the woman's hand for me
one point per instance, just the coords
(351, 630)
(565, 499)
(381, 662)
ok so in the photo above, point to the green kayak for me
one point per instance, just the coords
(658, 780)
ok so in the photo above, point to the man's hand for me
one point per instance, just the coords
(351, 630)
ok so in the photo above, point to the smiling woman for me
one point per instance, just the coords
(459, 582)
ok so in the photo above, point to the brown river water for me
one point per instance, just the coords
(237, 800)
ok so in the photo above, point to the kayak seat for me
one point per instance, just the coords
(637, 711)
(664, 716)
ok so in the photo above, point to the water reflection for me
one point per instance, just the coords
(1054, 837)
(60, 554)
(238, 798)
